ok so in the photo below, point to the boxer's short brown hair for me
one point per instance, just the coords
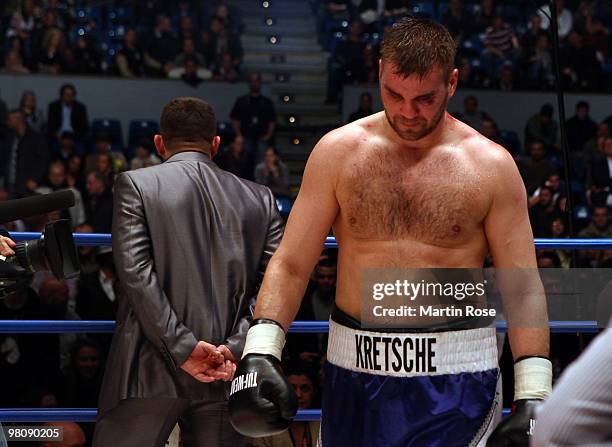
(187, 120)
(415, 46)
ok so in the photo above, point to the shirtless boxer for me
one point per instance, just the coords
(410, 187)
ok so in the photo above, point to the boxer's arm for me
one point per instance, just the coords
(312, 215)
(510, 240)
(133, 256)
(579, 410)
(274, 234)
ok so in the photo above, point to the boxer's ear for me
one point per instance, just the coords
(453, 80)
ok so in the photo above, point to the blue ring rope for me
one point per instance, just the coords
(89, 414)
(108, 326)
(95, 239)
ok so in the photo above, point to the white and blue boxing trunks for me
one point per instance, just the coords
(423, 389)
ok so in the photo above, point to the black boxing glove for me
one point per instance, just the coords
(262, 402)
(532, 384)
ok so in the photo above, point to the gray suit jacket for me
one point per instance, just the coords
(190, 243)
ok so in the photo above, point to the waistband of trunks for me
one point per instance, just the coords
(341, 317)
(412, 354)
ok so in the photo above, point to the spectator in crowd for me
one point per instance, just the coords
(18, 356)
(273, 173)
(254, 118)
(102, 145)
(564, 18)
(56, 181)
(66, 147)
(364, 109)
(54, 296)
(236, 160)
(580, 128)
(144, 157)
(187, 29)
(75, 172)
(501, 46)
(580, 67)
(302, 434)
(554, 183)
(458, 20)
(87, 255)
(396, 8)
(98, 291)
(32, 113)
(316, 305)
(506, 81)
(82, 381)
(218, 40)
(548, 259)
(227, 70)
(50, 55)
(191, 73)
(99, 203)
(24, 155)
(368, 73)
(542, 214)
(349, 60)
(161, 49)
(13, 64)
(87, 57)
(129, 61)
(469, 77)
(528, 40)
(70, 64)
(489, 129)
(600, 188)
(539, 64)
(104, 165)
(49, 23)
(484, 14)
(67, 114)
(471, 115)
(543, 128)
(535, 169)
(599, 227)
(73, 435)
(559, 231)
(594, 149)
(189, 51)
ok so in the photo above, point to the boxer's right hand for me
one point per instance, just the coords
(262, 402)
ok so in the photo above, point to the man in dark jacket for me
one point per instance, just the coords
(190, 243)
(24, 157)
(67, 115)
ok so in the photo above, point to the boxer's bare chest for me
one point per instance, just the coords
(438, 199)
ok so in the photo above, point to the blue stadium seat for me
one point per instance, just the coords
(423, 9)
(141, 130)
(122, 14)
(86, 13)
(108, 126)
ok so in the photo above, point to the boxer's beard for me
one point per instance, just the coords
(421, 128)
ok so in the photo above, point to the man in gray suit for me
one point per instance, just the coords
(190, 242)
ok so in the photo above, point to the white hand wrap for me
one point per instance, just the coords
(265, 338)
(532, 378)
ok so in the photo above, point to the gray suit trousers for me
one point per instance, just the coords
(148, 422)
